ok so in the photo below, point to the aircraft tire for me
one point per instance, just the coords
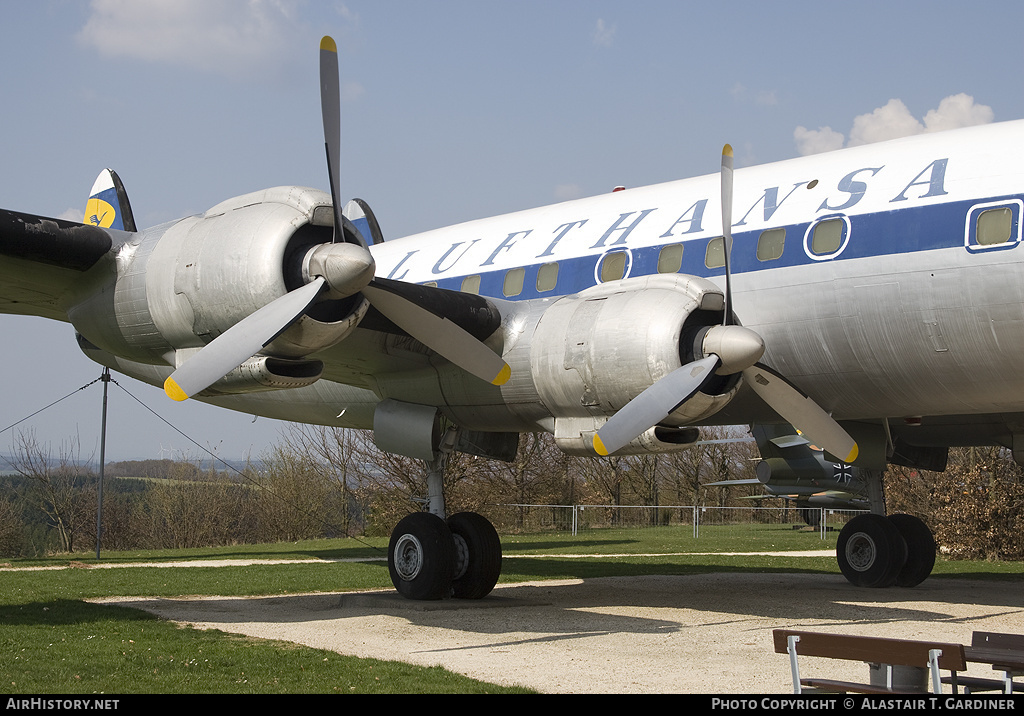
(920, 550)
(811, 516)
(421, 557)
(478, 555)
(871, 551)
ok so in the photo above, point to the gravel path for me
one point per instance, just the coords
(685, 634)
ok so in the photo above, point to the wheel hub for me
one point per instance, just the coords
(861, 551)
(461, 555)
(408, 557)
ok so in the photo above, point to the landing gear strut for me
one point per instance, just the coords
(430, 557)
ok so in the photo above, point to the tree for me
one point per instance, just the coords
(65, 492)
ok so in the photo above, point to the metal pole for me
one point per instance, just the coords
(103, 456)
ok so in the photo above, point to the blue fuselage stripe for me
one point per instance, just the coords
(903, 231)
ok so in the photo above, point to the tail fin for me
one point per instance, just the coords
(108, 203)
(359, 213)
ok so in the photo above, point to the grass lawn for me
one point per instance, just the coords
(53, 641)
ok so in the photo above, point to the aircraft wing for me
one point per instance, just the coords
(41, 257)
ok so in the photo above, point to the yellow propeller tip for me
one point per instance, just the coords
(727, 150)
(599, 447)
(173, 391)
(853, 454)
(327, 43)
(503, 376)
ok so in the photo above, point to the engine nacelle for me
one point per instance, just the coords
(574, 436)
(593, 352)
(181, 285)
(261, 373)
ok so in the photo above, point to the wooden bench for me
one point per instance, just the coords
(909, 661)
(1004, 652)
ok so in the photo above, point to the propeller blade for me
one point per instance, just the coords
(801, 412)
(654, 405)
(727, 228)
(240, 342)
(330, 108)
(440, 335)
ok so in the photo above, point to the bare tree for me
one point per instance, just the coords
(187, 512)
(65, 491)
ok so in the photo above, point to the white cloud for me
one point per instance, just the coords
(232, 37)
(891, 121)
(604, 34)
(816, 141)
(894, 120)
(71, 214)
(958, 110)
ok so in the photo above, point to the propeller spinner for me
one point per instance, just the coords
(728, 349)
(339, 269)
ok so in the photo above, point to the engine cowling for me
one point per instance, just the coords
(593, 352)
(181, 285)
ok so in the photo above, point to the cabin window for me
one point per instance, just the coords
(547, 277)
(995, 226)
(471, 284)
(827, 237)
(770, 244)
(513, 285)
(714, 257)
(613, 266)
(670, 258)
(431, 284)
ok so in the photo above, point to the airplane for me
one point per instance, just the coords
(790, 467)
(794, 470)
(869, 297)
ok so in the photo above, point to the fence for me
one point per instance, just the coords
(577, 518)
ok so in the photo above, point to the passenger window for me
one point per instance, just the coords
(431, 284)
(714, 257)
(613, 266)
(828, 237)
(670, 258)
(513, 285)
(471, 284)
(547, 277)
(995, 226)
(770, 244)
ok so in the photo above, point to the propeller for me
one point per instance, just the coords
(339, 269)
(725, 350)
(727, 229)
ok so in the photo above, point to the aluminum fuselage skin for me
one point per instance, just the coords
(906, 314)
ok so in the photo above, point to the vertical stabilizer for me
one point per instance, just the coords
(359, 213)
(108, 203)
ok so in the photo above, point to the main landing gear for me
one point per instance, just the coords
(878, 551)
(430, 557)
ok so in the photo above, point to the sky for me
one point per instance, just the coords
(451, 111)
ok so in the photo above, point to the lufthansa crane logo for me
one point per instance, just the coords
(99, 213)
